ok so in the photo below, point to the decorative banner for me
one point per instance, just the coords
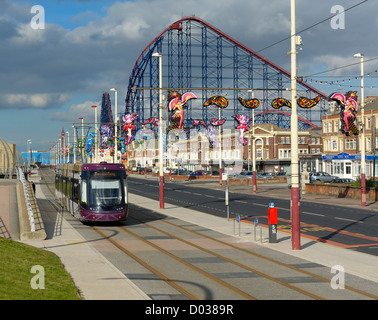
(250, 104)
(128, 126)
(302, 102)
(243, 126)
(348, 111)
(244, 120)
(105, 132)
(210, 129)
(218, 101)
(176, 105)
(153, 120)
(90, 142)
(280, 102)
(307, 103)
(121, 145)
(216, 123)
(198, 122)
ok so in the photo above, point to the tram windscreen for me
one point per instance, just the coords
(105, 189)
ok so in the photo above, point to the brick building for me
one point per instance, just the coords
(342, 154)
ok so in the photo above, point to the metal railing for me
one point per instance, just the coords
(21, 177)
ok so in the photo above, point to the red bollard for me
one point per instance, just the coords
(272, 221)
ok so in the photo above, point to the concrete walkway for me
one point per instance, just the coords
(98, 279)
(94, 276)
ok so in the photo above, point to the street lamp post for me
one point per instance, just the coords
(82, 139)
(67, 146)
(161, 173)
(116, 125)
(295, 210)
(363, 152)
(29, 142)
(74, 145)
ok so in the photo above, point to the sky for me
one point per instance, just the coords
(49, 77)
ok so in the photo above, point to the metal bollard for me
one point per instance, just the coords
(227, 202)
(272, 221)
(261, 238)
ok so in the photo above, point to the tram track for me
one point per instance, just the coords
(248, 252)
(107, 233)
(175, 257)
(234, 262)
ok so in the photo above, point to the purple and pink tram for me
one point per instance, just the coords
(93, 191)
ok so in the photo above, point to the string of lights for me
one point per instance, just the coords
(344, 81)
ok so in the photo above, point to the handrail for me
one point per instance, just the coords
(21, 177)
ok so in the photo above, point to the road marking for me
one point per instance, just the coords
(259, 204)
(314, 214)
(241, 201)
(356, 221)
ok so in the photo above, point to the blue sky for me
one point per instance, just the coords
(51, 77)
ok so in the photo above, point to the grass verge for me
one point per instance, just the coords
(17, 278)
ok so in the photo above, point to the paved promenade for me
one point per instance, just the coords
(97, 278)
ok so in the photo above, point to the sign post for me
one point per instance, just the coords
(227, 200)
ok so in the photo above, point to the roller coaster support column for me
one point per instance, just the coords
(295, 209)
(161, 155)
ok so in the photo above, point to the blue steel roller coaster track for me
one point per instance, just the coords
(196, 52)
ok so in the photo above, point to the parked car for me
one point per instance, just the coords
(264, 175)
(234, 174)
(321, 176)
(279, 174)
(343, 180)
(198, 173)
(245, 174)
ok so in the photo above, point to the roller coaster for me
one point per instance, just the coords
(200, 58)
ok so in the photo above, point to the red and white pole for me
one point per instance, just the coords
(295, 204)
(161, 151)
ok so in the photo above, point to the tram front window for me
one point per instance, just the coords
(104, 190)
(105, 193)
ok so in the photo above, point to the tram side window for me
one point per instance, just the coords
(125, 186)
(76, 191)
(84, 199)
(57, 182)
(65, 186)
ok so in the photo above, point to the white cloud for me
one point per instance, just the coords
(37, 101)
(101, 54)
(75, 111)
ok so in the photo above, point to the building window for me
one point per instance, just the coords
(325, 127)
(334, 145)
(338, 168)
(258, 153)
(350, 144)
(284, 153)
